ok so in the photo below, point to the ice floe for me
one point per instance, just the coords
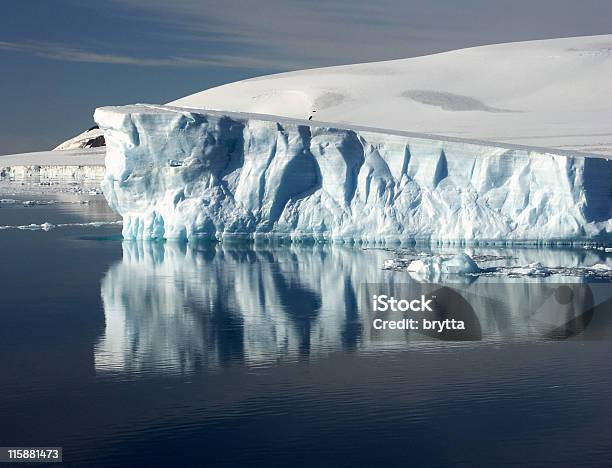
(429, 267)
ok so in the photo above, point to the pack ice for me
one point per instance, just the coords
(184, 173)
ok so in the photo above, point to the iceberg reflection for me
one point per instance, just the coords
(177, 308)
(180, 307)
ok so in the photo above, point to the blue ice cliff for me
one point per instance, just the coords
(182, 173)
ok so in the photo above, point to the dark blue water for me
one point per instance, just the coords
(148, 354)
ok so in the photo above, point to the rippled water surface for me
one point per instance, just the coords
(146, 354)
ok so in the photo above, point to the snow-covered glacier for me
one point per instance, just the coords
(184, 173)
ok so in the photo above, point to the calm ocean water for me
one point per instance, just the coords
(150, 354)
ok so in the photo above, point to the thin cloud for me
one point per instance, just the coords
(313, 32)
(279, 35)
(55, 51)
(333, 32)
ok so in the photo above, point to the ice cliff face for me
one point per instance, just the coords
(180, 173)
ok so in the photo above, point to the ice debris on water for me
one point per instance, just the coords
(31, 227)
(46, 226)
(436, 267)
(601, 248)
(38, 202)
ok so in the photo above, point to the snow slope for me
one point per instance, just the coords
(180, 173)
(92, 138)
(550, 93)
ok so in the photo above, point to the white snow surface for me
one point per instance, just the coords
(183, 173)
(548, 93)
(82, 140)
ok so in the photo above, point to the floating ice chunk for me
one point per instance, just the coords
(597, 247)
(461, 264)
(436, 266)
(33, 227)
(533, 269)
(390, 264)
(38, 202)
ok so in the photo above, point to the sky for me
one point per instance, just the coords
(60, 59)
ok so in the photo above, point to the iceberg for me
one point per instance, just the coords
(180, 173)
(436, 267)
